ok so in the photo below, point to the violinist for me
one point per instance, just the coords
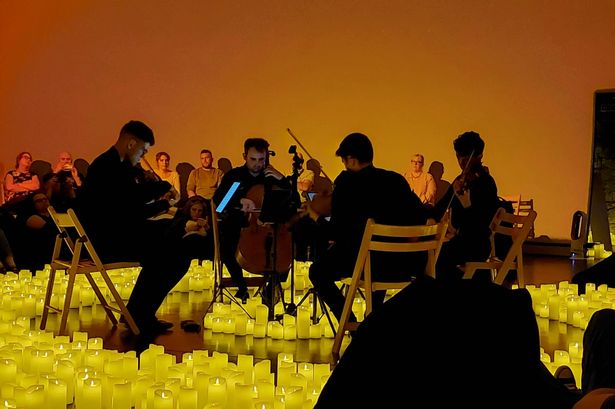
(360, 192)
(114, 206)
(473, 200)
(255, 171)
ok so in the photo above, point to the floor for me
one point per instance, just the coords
(192, 306)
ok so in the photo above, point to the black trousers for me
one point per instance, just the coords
(229, 240)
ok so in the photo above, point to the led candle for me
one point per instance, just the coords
(56, 394)
(228, 326)
(561, 357)
(95, 343)
(201, 384)
(35, 397)
(65, 371)
(306, 369)
(245, 363)
(574, 351)
(241, 324)
(275, 330)
(8, 370)
(320, 370)
(576, 318)
(303, 323)
(262, 314)
(315, 331)
(285, 369)
(216, 391)
(260, 330)
(151, 393)
(94, 358)
(91, 394)
(163, 399)
(162, 364)
(262, 370)
(218, 325)
(41, 361)
(294, 398)
(187, 398)
(290, 332)
(265, 389)
(121, 397)
(543, 310)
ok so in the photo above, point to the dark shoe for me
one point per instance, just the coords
(190, 326)
(163, 326)
(243, 295)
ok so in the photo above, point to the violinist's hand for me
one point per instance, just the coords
(247, 205)
(273, 172)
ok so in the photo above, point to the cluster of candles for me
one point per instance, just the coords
(562, 303)
(40, 371)
(598, 251)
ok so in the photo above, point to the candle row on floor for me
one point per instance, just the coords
(38, 370)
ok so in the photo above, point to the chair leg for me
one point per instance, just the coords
(120, 304)
(69, 295)
(48, 293)
(101, 298)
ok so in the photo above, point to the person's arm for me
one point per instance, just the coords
(35, 222)
(76, 176)
(25, 186)
(430, 194)
(175, 181)
(191, 185)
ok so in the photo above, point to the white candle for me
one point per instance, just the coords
(187, 398)
(35, 397)
(91, 394)
(262, 370)
(275, 330)
(163, 399)
(216, 392)
(121, 398)
(56, 395)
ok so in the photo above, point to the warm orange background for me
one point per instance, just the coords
(410, 74)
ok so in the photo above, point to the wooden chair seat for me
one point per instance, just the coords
(84, 261)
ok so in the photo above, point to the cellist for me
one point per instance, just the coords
(255, 171)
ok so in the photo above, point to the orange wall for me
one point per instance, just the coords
(410, 74)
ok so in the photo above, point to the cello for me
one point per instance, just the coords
(265, 244)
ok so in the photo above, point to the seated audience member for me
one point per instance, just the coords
(421, 183)
(20, 182)
(363, 191)
(115, 204)
(62, 184)
(65, 164)
(473, 200)
(321, 184)
(191, 226)
(204, 180)
(163, 162)
(36, 233)
(442, 344)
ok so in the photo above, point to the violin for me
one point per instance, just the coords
(263, 247)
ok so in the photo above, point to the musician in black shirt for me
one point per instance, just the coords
(114, 205)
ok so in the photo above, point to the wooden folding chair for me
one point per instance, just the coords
(85, 261)
(418, 239)
(517, 227)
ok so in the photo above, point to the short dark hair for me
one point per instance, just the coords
(139, 130)
(358, 146)
(469, 143)
(161, 154)
(206, 151)
(257, 143)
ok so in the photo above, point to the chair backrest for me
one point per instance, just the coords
(515, 200)
(69, 220)
(525, 205)
(377, 237)
(517, 227)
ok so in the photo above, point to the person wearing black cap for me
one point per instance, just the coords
(360, 192)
